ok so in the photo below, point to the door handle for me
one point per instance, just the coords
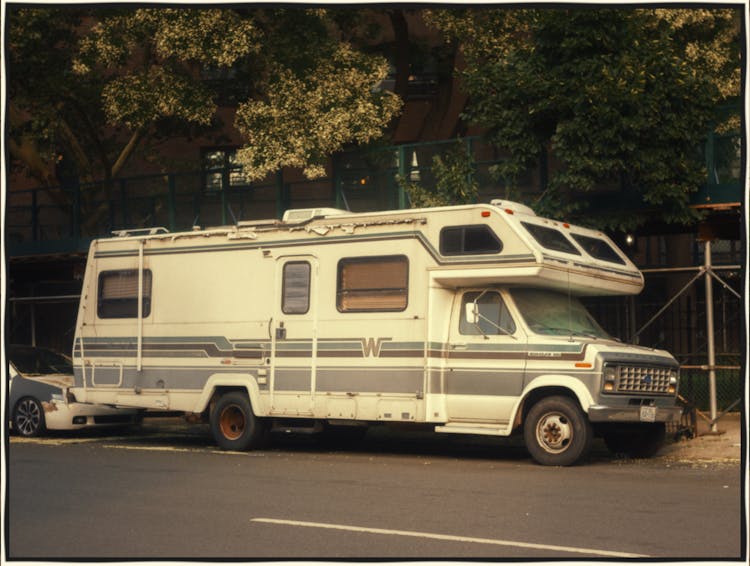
(459, 346)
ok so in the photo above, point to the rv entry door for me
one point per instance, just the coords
(294, 336)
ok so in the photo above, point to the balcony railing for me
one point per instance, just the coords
(65, 219)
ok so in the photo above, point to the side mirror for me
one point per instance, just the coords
(471, 313)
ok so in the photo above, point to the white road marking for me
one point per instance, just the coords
(52, 441)
(176, 449)
(452, 538)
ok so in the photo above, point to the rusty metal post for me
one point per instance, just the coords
(710, 337)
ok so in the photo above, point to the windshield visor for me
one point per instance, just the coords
(556, 314)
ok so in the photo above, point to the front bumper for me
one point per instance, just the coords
(632, 414)
(59, 415)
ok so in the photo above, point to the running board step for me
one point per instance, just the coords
(473, 428)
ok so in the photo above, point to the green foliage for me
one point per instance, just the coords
(454, 181)
(308, 116)
(120, 77)
(620, 99)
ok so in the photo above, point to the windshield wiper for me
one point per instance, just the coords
(559, 331)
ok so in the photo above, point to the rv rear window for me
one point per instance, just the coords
(118, 294)
(469, 240)
(371, 284)
(551, 239)
(598, 249)
(295, 293)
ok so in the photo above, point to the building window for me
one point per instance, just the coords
(469, 240)
(550, 238)
(371, 284)
(118, 294)
(221, 170)
(295, 288)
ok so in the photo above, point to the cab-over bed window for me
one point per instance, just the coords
(598, 249)
(469, 240)
(550, 238)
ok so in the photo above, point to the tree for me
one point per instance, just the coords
(454, 181)
(620, 99)
(95, 84)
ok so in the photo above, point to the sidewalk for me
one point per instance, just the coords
(723, 447)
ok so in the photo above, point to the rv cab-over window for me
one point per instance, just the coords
(550, 238)
(469, 240)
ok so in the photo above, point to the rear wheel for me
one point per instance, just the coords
(557, 432)
(28, 417)
(234, 425)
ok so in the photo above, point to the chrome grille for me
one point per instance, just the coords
(643, 379)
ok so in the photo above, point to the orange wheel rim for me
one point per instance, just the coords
(232, 422)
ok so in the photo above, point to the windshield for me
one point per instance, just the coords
(29, 360)
(553, 313)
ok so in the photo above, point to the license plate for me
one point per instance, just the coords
(648, 414)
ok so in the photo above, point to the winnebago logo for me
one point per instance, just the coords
(371, 346)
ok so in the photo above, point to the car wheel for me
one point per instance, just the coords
(234, 426)
(28, 417)
(557, 432)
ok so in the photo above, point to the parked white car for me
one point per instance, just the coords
(39, 399)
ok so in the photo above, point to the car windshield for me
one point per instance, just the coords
(38, 361)
(552, 313)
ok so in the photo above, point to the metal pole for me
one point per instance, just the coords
(710, 336)
(402, 173)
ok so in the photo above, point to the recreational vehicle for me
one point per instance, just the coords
(466, 318)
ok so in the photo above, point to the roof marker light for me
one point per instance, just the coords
(509, 210)
(485, 214)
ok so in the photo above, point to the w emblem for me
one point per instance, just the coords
(371, 346)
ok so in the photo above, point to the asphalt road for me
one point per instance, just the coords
(169, 494)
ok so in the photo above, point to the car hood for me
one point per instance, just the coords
(60, 380)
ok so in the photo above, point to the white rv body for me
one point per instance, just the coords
(360, 318)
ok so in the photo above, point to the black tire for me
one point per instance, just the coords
(557, 432)
(28, 418)
(234, 426)
(638, 441)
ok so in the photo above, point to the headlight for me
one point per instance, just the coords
(674, 381)
(609, 376)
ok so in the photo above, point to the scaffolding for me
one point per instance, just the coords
(707, 272)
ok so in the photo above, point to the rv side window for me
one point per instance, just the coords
(367, 284)
(493, 316)
(469, 240)
(550, 238)
(598, 249)
(295, 292)
(118, 294)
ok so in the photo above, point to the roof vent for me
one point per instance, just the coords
(516, 207)
(302, 214)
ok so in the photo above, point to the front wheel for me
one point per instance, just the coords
(28, 418)
(557, 432)
(234, 426)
